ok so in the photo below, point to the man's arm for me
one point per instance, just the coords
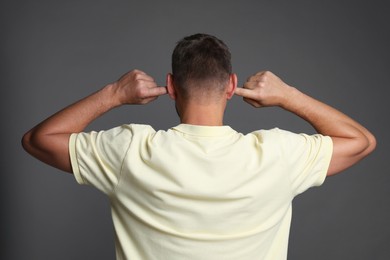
(351, 141)
(49, 140)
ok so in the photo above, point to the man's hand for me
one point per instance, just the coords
(264, 89)
(351, 141)
(136, 87)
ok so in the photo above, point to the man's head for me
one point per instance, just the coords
(201, 67)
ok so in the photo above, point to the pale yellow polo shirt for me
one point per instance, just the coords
(197, 192)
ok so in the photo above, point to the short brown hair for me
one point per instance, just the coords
(200, 58)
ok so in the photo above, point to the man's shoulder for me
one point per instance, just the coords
(125, 131)
(274, 132)
(269, 133)
(138, 127)
(278, 136)
(132, 128)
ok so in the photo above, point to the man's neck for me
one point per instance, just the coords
(206, 115)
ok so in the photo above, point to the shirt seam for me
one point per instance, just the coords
(120, 174)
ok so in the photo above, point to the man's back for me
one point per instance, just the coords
(198, 192)
(184, 194)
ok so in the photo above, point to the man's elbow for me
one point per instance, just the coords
(31, 143)
(26, 142)
(349, 151)
(370, 144)
(364, 145)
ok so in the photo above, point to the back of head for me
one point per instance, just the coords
(201, 65)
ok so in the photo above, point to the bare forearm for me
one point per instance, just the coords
(76, 117)
(324, 118)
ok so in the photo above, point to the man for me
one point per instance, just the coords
(200, 190)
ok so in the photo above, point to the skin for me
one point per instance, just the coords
(48, 141)
(208, 111)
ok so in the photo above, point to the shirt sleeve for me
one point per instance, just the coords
(307, 159)
(97, 157)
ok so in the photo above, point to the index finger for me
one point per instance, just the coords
(246, 93)
(157, 91)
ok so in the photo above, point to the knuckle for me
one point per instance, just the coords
(261, 84)
(142, 92)
(266, 75)
(137, 76)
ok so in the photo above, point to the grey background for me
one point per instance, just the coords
(56, 52)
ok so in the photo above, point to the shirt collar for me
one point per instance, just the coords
(206, 131)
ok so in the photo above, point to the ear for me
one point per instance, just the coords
(170, 86)
(232, 86)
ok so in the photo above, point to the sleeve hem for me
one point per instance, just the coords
(327, 158)
(73, 159)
